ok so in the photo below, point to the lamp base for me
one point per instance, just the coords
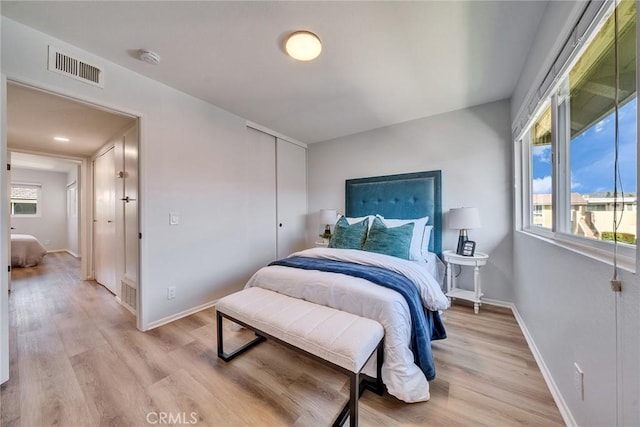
(463, 238)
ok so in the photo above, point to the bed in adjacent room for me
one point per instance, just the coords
(26, 250)
(365, 271)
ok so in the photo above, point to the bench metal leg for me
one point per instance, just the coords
(230, 356)
(375, 384)
(350, 409)
(357, 387)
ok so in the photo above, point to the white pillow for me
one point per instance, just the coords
(360, 218)
(415, 251)
(425, 240)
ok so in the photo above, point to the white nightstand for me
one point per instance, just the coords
(476, 261)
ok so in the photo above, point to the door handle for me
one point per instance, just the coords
(127, 199)
(109, 221)
(13, 228)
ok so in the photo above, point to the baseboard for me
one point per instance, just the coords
(546, 374)
(73, 254)
(174, 317)
(497, 303)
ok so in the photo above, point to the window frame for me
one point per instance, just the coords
(560, 232)
(38, 188)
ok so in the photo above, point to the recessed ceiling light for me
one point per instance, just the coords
(149, 57)
(303, 45)
(61, 138)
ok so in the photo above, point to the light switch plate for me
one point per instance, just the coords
(174, 218)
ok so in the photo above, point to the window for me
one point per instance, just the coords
(570, 149)
(541, 170)
(25, 199)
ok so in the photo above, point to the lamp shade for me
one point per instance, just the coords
(464, 218)
(328, 216)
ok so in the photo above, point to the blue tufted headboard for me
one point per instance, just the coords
(404, 196)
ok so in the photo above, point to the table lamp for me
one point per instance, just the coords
(463, 219)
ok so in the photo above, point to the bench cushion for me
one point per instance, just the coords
(342, 338)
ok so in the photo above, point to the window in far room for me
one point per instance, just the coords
(25, 199)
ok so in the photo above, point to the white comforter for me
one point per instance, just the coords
(26, 250)
(401, 375)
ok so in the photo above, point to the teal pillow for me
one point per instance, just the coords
(347, 236)
(394, 241)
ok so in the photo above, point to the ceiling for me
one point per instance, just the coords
(35, 117)
(382, 62)
(45, 163)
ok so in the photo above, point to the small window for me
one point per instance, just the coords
(25, 199)
(541, 169)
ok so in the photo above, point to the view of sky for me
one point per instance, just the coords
(592, 156)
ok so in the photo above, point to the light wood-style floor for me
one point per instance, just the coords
(78, 360)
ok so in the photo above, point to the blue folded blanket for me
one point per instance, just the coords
(427, 325)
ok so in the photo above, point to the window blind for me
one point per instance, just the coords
(592, 13)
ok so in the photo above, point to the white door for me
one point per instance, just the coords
(291, 172)
(129, 201)
(261, 189)
(5, 245)
(10, 227)
(104, 188)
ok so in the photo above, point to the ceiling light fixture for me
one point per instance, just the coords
(61, 138)
(149, 57)
(303, 45)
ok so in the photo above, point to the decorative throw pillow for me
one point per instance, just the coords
(349, 236)
(394, 241)
(417, 240)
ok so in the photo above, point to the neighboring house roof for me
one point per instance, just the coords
(585, 199)
(545, 199)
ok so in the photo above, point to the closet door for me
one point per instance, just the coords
(291, 200)
(261, 198)
(104, 220)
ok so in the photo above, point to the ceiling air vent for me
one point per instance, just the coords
(63, 63)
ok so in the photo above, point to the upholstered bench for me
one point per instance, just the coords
(335, 338)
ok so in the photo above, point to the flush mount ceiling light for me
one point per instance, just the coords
(149, 57)
(61, 138)
(303, 45)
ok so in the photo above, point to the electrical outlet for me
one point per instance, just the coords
(171, 292)
(578, 380)
(174, 218)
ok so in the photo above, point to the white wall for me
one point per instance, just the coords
(471, 147)
(556, 25)
(565, 300)
(192, 161)
(50, 227)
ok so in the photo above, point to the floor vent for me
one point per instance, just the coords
(63, 63)
(129, 295)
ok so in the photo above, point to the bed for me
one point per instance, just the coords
(26, 250)
(405, 371)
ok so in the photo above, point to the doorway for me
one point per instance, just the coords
(46, 123)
